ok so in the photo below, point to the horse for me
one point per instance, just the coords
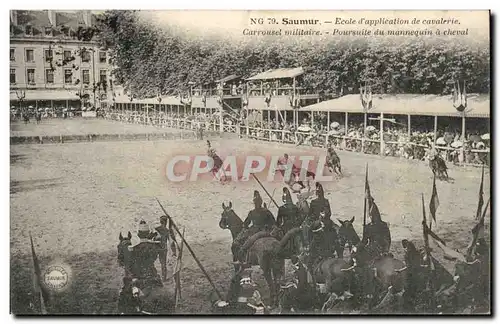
(26, 118)
(327, 272)
(333, 162)
(438, 167)
(38, 117)
(153, 297)
(347, 234)
(264, 252)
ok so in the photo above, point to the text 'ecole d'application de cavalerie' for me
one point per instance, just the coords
(338, 21)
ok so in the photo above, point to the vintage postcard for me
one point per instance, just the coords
(250, 162)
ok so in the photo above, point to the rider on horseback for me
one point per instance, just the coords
(377, 234)
(288, 214)
(145, 254)
(319, 204)
(260, 218)
(325, 239)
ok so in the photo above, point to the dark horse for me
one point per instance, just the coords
(26, 118)
(155, 299)
(438, 167)
(326, 272)
(347, 234)
(380, 271)
(333, 161)
(264, 252)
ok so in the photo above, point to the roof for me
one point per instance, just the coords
(165, 100)
(40, 18)
(278, 74)
(478, 105)
(228, 78)
(47, 95)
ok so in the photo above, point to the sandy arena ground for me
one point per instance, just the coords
(81, 126)
(76, 198)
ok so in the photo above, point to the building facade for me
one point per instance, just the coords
(55, 60)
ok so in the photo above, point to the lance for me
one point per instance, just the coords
(191, 251)
(267, 192)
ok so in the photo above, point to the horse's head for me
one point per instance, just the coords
(229, 220)
(347, 233)
(123, 245)
(226, 215)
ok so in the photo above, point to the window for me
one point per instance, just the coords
(68, 76)
(30, 55)
(48, 55)
(85, 56)
(67, 55)
(12, 54)
(28, 30)
(12, 75)
(102, 76)
(86, 76)
(102, 57)
(49, 76)
(48, 31)
(31, 76)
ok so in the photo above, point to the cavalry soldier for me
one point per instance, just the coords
(319, 204)
(288, 214)
(163, 235)
(325, 238)
(260, 218)
(377, 234)
(145, 254)
(216, 159)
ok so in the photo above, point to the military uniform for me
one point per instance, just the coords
(319, 204)
(243, 296)
(288, 214)
(144, 256)
(325, 241)
(163, 235)
(377, 233)
(260, 218)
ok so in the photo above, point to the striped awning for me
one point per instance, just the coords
(33, 95)
(478, 105)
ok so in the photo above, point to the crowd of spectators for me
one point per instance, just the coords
(397, 142)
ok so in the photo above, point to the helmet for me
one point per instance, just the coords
(257, 199)
(319, 190)
(287, 197)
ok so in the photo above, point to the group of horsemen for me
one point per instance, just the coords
(260, 222)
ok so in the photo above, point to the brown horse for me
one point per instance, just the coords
(439, 168)
(264, 252)
(333, 161)
(153, 297)
(347, 234)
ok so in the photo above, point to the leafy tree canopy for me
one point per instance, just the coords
(150, 60)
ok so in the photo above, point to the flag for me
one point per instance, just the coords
(481, 199)
(367, 196)
(426, 236)
(367, 185)
(434, 203)
(40, 293)
(477, 231)
(449, 252)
